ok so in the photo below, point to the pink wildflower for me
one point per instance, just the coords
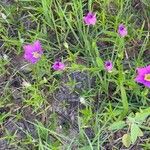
(122, 30)
(108, 66)
(58, 65)
(143, 76)
(90, 19)
(33, 52)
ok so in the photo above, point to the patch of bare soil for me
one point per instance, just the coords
(66, 100)
(142, 8)
(12, 82)
(7, 2)
(146, 55)
(18, 129)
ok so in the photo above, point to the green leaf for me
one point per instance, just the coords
(141, 117)
(100, 63)
(124, 99)
(77, 66)
(117, 125)
(131, 119)
(140, 132)
(135, 132)
(126, 140)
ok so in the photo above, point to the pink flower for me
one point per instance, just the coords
(122, 30)
(90, 19)
(33, 52)
(143, 76)
(108, 66)
(58, 65)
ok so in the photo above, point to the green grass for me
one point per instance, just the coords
(111, 104)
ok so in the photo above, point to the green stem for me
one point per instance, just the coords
(124, 101)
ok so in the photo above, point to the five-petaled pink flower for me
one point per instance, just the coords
(58, 66)
(33, 52)
(90, 19)
(108, 66)
(122, 30)
(143, 76)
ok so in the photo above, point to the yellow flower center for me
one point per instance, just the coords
(36, 55)
(147, 77)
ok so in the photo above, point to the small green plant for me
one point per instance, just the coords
(34, 97)
(134, 125)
